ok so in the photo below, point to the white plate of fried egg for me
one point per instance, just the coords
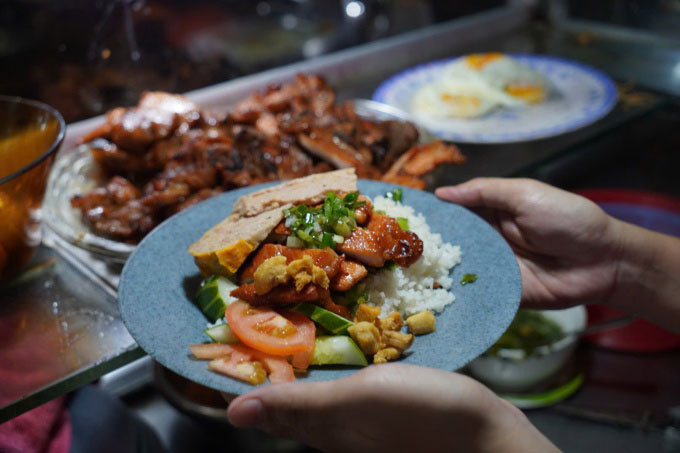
(500, 98)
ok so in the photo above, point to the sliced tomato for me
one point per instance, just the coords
(278, 367)
(279, 370)
(226, 357)
(215, 350)
(248, 371)
(301, 360)
(265, 330)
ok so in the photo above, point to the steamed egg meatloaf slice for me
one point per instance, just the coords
(309, 190)
(225, 246)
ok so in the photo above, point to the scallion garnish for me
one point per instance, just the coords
(468, 278)
(397, 194)
(325, 226)
(403, 223)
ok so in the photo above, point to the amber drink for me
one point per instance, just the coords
(30, 133)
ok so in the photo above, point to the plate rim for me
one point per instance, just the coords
(123, 285)
(610, 99)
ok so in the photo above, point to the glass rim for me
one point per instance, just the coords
(53, 146)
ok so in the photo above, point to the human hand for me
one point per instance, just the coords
(566, 246)
(390, 408)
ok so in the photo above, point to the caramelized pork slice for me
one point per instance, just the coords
(382, 240)
(363, 246)
(326, 259)
(319, 95)
(405, 180)
(424, 158)
(196, 198)
(248, 110)
(293, 163)
(268, 125)
(156, 116)
(115, 211)
(282, 229)
(108, 155)
(334, 151)
(170, 195)
(349, 275)
(308, 94)
(126, 222)
(279, 295)
(287, 295)
(402, 247)
(362, 214)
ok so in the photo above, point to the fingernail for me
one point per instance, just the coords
(247, 414)
(444, 192)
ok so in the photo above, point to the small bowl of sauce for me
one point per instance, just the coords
(30, 134)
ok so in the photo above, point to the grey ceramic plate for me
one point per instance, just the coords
(159, 280)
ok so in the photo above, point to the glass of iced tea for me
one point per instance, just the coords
(30, 134)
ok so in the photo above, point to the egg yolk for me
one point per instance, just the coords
(479, 60)
(470, 101)
(529, 93)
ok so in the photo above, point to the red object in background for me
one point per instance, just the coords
(655, 212)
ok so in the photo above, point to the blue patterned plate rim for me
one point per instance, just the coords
(155, 294)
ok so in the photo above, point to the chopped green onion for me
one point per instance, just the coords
(317, 227)
(295, 242)
(303, 235)
(351, 198)
(397, 194)
(403, 223)
(327, 240)
(379, 211)
(468, 278)
(342, 229)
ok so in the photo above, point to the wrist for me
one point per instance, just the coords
(647, 265)
(513, 432)
(624, 268)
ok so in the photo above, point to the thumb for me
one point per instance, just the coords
(294, 410)
(494, 193)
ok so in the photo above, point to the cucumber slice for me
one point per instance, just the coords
(328, 320)
(222, 334)
(213, 296)
(337, 350)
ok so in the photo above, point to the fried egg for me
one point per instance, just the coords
(476, 84)
(457, 98)
(514, 82)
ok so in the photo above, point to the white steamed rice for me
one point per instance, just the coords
(411, 290)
